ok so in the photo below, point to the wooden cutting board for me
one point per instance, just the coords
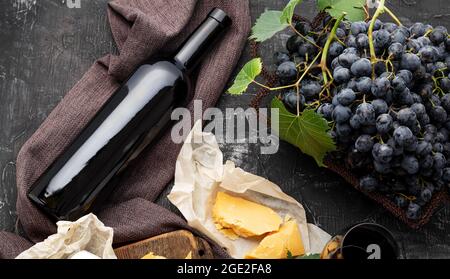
(173, 245)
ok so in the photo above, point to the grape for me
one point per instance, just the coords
(438, 114)
(376, 26)
(310, 88)
(410, 62)
(293, 43)
(364, 143)
(442, 135)
(380, 106)
(401, 201)
(334, 101)
(418, 109)
(335, 63)
(396, 51)
(413, 46)
(417, 30)
(398, 37)
(341, 75)
(368, 183)
(343, 130)
(362, 41)
(406, 75)
(411, 146)
(355, 122)
(413, 211)
(439, 161)
(290, 100)
(445, 102)
(287, 71)
(445, 84)
(426, 162)
(346, 97)
(398, 150)
(281, 57)
(382, 38)
(426, 195)
(398, 84)
(351, 84)
(438, 147)
(351, 41)
(423, 148)
(382, 153)
(335, 49)
(383, 168)
(406, 117)
(380, 87)
(446, 175)
(437, 36)
(341, 114)
(347, 59)
(404, 98)
(326, 110)
(367, 113)
(362, 68)
(340, 33)
(358, 27)
(307, 48)
(364, 85)
(390, 27)
(403, 136)
(430, 128)
(410, 164)
(384, 124)
(428, 54)
(303, 27)
(424, 119)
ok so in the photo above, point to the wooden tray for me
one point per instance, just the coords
(173, 245)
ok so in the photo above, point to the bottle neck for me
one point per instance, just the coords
(202, 39)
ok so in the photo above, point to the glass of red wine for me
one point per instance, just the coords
(363, 241)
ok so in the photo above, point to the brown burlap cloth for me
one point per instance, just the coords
(141, 28)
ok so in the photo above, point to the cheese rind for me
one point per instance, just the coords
(243, 217)
(277, 245)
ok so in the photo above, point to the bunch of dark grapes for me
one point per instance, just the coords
(390, 119)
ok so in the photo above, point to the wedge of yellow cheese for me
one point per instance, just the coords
(277, 245)
(151, 256)
(243, 217)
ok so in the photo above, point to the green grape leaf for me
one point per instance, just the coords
(353, 8)
(267, 25)
(288, 11)
(246, 76)
(308, 131)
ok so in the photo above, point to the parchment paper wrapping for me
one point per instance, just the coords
(85, 238)
(200, 174)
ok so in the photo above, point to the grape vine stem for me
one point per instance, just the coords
(381, 9)
(331, 37)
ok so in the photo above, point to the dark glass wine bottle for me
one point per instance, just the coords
(134, 117)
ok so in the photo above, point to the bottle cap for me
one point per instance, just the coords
(221, 17)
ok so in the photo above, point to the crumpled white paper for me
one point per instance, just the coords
(86, 238)
(200, 174)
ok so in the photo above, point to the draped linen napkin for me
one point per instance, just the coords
(141, 29)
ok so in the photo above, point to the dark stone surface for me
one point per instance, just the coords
(46, 47)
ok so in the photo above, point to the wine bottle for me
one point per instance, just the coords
(134, 117)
